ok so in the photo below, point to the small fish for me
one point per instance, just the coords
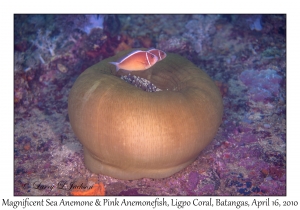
(136, 61)
(159, 53)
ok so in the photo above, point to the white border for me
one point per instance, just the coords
(154, 6)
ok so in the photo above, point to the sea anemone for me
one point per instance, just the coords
(129, 133)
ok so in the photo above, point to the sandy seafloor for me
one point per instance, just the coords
(244, 54)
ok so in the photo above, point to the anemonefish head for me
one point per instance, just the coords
(136, 61)
(159, 53)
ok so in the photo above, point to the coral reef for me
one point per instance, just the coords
(255, 23)
(94, 21)
(262, 84)
(200, 30)
(248, 155)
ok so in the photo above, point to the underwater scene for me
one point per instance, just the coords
(153, 104)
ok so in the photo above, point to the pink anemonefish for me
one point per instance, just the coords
(136, 61)
(159, 53)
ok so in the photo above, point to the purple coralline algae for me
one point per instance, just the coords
(193, 180)
(261, 85)
(131, 192)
